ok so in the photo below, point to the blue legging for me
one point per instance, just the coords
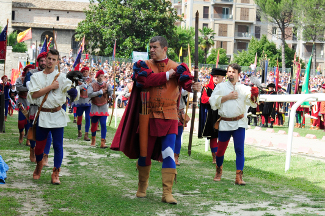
(6, 106)
(80, 111)
(103, 129)
(41, 138)
(48, 143)
(239, 139)
(178, 143)
(22, 122)
(167, 151)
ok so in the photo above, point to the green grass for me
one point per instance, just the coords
(108, 183)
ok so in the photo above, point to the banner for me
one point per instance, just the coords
(14, 75)
(25, 35)
(136, 56)
(305, 86)
(3, 43)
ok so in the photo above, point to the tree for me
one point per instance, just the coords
(206, 40)
(183, 37)
(223, 59)
(310, 17)
(280, 13)
(16, 47)
(130, 23)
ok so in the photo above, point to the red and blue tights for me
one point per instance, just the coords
(22, 123)
(80, 111)
(239, 138)
(178, 143)
(41, 139)
(94, 125)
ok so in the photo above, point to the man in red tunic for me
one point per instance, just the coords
(150, 122)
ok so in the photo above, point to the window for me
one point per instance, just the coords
(258, 32)
(258, 15)
(242, 46)
(13, 15)
(205, 12)
(221, 44)
(274, 30)
(205, 25)
(57, 18)
(243, 28)
(244, 13)
(223, 30)
(225, 12)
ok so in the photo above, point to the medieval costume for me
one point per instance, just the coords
(209, 117)
(127, 93)
(99, 108)
(5, 86)
(268, 112)
(84, 105)
(233, 122)
(52, 117)
(22, 100)
(150, 133)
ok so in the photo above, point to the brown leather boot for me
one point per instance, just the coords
(168, 176)
(296, 126)
(32, 155)
(299, 125)
(38, 170)
(86, 138)
(27, 143)
(214, 158)
(144, 172)
(239, 178)
(55, 176)
(21, 137)
(218, 173)
(45, 160)
(102, 143)
(176, 156)
(93, 141)
(79, 134)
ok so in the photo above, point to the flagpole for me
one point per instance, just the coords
(4, 66)
(56, 47)
(36, 54)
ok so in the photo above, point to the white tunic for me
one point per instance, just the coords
(231, 108)
(55, 98)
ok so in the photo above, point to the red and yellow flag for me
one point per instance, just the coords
(25, 35)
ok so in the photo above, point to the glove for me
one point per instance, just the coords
(254, 94)
(73, 93)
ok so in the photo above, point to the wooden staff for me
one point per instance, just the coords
(56, 47)
(196, 75)
(187, 104)
(113, 94)
(35, 55)
(4, 66)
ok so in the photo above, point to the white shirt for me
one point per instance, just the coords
(231, 108)
(55, 98)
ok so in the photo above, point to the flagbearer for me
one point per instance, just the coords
(99, 92)
(84, 104)
(22, 99)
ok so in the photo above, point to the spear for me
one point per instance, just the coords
(113, 94)
(196, 74)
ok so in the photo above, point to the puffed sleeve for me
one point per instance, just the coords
(215, 99)
(144, 77)
(34, 86)
(246, 90)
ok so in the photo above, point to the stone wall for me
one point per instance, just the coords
(6, 8)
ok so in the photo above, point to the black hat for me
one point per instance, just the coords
(272, 85)
(218, 71)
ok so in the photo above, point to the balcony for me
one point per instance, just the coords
(221, 16)
(318, 55)
(176, 2)
(244, 35)
(222, 2)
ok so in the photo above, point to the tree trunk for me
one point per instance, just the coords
(283, 48)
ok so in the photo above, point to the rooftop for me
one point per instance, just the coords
(50, 5)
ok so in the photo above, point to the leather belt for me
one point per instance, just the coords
(233, 118)
(51, 110)
(161, 109)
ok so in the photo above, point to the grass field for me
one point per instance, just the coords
(104, 182)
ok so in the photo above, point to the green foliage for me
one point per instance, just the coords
(264, 47)
(131, 23)
(206, 40)
(16, 47)
(223, 59)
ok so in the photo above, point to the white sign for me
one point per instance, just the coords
(139, 56)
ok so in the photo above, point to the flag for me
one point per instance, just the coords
(25, 35)
(3, 43)
(14, 75)
(21, 67)
(277, 76)
(83, 44)
(189, 58)
(180, 54)
(217, 59)
(114, 51)
(266, 66)
(304, 89)
(44, 47)
(49, 43)
(77, 61)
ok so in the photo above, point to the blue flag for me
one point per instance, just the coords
(77, 61)
(44, 47)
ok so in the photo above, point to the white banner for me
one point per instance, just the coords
(139, 56)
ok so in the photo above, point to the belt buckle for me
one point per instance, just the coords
(52, 110)
(160, 109)
(232, 118)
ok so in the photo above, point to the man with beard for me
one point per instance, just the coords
(230, 99)
(22, 99)
(208, 117)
